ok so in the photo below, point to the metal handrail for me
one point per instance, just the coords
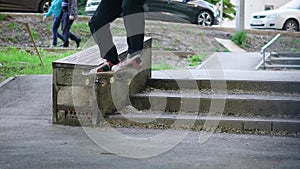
(264, 48)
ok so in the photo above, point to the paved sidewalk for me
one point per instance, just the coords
(28, 139)
(230, 66)
(232, 61)
(231, 46)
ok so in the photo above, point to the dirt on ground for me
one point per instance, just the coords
(167, 36)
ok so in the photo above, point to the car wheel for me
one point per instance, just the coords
(205, 18)
(44, 6)
(291, 25)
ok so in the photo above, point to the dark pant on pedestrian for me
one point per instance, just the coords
(55, 34)
(66, 26)
(134, 21)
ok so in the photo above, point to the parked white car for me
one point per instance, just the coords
(91, 6)
(286, 17)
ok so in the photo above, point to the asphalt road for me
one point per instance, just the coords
(28, 139)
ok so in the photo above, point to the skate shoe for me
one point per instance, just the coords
(131, 62)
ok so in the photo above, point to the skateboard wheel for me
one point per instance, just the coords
(87, 82)
(112, 80)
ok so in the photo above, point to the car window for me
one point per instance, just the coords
(295, 4)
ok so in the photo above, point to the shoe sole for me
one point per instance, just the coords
(134, 62)
(96, 69)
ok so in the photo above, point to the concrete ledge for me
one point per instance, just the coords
(81, 98)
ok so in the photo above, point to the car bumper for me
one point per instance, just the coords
(265, 24)
(89, 13)
(90, 10)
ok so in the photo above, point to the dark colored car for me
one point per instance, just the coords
(25, 5)
(193, 11)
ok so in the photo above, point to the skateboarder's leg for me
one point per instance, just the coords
(107, 11)
(134, 21)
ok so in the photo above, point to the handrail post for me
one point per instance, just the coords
(263, 49)
(264, 59)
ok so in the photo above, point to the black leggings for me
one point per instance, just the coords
(134, 21)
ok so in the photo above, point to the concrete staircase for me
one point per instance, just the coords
(226, 93)
(283, 61)
(231, 105)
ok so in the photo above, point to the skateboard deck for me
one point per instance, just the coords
(134, 62)
(94, 70)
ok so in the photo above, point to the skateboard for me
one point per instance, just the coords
(94, 70)
(134, 62)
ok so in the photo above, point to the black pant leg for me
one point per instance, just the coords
(134, 21)
(66, 25)
(107, 11)
(73, 36)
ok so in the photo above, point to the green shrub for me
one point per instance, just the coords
(3, 17)
(11, 25)
(240, 38)
(196, 59)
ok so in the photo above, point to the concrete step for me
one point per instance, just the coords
(280, 67)
(286, 54)
(285, 60)
(229, 85)
(229, 103)
(217, 123)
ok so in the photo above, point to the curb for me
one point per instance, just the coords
(6, 81)
(246, 125)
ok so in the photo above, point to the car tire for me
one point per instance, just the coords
(205, 18)
(291, 25)
(44, 6)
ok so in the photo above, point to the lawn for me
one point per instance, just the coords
(20, 62)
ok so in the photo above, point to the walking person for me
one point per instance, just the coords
(134, 22)
(55, 10)
(69, 15)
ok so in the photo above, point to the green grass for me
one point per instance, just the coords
(155, 44)
(82, 30)
(294, 50)
(162, 66)
(3, 17)
(19, 62)
(196, 59)
(11, 25)
(35, 34)
(201, 33)
(295, 41)
(80, 27)
(226, 50)
(119, 31)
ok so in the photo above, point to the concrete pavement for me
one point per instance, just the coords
(28, 139)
